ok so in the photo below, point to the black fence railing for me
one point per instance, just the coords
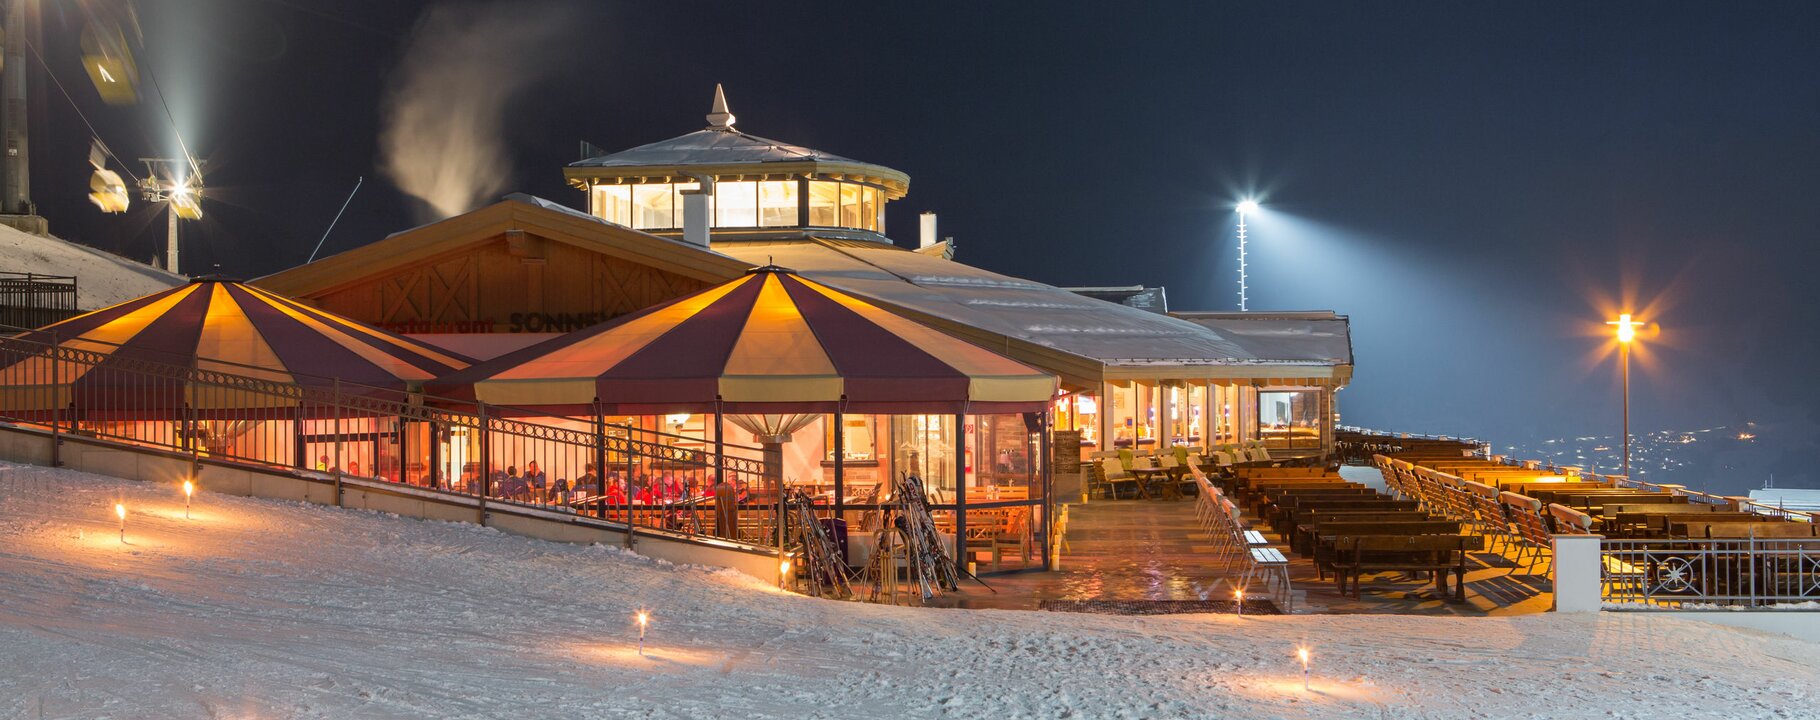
(35, 300)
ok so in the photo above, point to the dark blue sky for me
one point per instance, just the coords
(1475, 185)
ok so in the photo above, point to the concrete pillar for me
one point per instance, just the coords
(1577, 576)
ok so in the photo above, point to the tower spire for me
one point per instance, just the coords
(718, 116)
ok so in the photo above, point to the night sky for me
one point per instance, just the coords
(1477, 187)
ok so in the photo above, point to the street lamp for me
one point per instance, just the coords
(1245, 208)
(1627, 331)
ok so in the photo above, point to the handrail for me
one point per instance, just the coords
(585, 466)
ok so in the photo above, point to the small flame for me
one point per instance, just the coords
(120, 510)
(643, 618)
(189, 488)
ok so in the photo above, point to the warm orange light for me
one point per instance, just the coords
(1303, 653)
(120, 510)
(189, 488)
(642, 619)
(1627, 329)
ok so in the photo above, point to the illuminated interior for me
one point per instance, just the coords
(745, 204)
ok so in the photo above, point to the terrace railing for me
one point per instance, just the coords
(631, 477)
(1699, 572)
(36, 300)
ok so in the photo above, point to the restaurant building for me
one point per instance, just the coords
(677, 216)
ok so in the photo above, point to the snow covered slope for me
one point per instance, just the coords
(102, 278)
(268, 609)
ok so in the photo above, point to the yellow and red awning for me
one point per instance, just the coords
(767, 342)
(221, 326)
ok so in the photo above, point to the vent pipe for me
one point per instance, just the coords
(695, 210)
(928, 230)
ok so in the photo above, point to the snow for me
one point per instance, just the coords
(102, 278)
(262, 608)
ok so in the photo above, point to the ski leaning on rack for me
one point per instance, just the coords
(818, 557)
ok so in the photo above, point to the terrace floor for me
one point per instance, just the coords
(1154, 550)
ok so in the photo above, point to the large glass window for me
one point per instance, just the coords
(824, 203)
(653, 206)
(1289, 419)
(777, 203)
(868, 212)
(737, 204)
(613, 203)
(849, 205)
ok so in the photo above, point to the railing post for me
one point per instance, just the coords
(960, 492)
(631, 527)
(1578, 580)
(57, 403)
(600, 461)
(486, 463)
(335, 403)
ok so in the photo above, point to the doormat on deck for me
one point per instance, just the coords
(1255, 606)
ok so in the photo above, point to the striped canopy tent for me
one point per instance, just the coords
(119, 361)
(768, 342)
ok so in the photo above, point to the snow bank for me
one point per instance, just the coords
(257, 608)
(102, 278)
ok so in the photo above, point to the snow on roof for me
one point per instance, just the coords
(1804, 499)
(1288, 337)
(712, 146)
(102, 278)
(1110, 333)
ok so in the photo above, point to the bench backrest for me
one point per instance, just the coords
(1401, 543)
(1774, 530)
(1401, 527)
(1569, 521)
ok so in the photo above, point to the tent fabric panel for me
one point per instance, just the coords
(864, 350)
(542, 391)
(588, 355)
(430, 359)
(774, 388)
(1011, 388)
(777, 340)
(303, 342)
(694, 349)
(228, 335)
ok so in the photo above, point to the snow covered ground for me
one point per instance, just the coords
(267, 609)
(102, 278)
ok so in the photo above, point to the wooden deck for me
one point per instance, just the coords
(1155, 550)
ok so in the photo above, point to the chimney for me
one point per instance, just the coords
(928, 234)
(695, 211)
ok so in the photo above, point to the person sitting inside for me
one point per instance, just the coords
(512, 486)
(647, 494)
(588, 483)
(535, 478)
(322, 464)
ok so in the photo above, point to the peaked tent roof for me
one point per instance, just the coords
(768, 342)
(227, 327)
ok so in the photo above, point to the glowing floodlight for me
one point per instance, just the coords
(1248, 207)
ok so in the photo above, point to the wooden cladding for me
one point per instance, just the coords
(513, 282)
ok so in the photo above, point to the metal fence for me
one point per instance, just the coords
(1697, 572)
(222, 412)
(34, 300)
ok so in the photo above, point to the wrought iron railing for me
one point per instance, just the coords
(1694, 573)
(623, 474)
(35, 300)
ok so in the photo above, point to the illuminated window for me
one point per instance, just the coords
(738, 204)
(652, 206)
(824, 203)
(613, 203)
(869, 206)
(777, 203)
(849, 205)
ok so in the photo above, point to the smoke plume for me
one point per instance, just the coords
(442, 139)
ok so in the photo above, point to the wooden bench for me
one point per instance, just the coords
(1357, 555)
(1321, 549)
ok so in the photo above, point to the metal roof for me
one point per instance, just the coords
(1283, 336)
(713, 146)
(1104, 333)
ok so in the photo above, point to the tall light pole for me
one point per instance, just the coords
(180, 189)
(1245, 208)
(1627, 331)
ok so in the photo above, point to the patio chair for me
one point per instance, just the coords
(1117, 478)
